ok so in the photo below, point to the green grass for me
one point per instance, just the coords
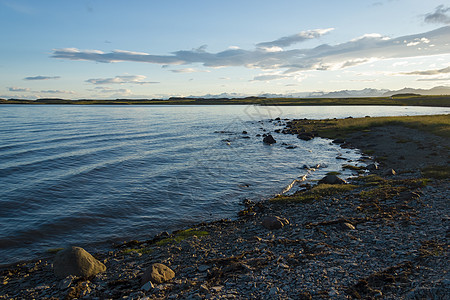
(317, 192)
(339, 128)
(436, 172)
(443, 101)
(354, 168)
(182, 235)
(146, 250)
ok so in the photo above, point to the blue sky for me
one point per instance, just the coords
(156, 49)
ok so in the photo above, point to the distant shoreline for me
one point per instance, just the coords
(396, 100)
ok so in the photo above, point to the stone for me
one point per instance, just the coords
(372, 167)
(332, 179)
(157, 273)
(268, 139)
(66, 282)
(77, 262)
(391, 172)
(274, 222)
(306, 136)
(147, 286)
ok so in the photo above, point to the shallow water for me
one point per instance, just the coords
(91, 175)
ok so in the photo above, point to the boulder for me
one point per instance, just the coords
(268, 139)
(332, 179)
(306, 136)
(274, 222)
(157, 273)
(372, 167)
(77, 262)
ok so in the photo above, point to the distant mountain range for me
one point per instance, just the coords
(438, 90)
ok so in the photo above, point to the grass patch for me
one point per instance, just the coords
(182, 235)
(146, 250)
(317, 192)
(371, 180)
(339, 128)
(354, 168)
(334, 173)
(436, 172)
(382, 192)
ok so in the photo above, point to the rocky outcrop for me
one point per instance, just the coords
(268, 139)
(332, 179)
(77, 262)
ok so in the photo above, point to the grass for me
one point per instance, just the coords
(340, 128)
(436, 172)
(146, 250)
(442, 101)
(354, 168)
(317, 192)
(182, 235)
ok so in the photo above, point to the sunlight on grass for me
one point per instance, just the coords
(317, 192)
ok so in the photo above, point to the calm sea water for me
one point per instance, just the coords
(93, 175)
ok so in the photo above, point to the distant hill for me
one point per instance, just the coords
(436, 91)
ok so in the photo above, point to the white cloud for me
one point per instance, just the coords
(57, 92)
(287, 41)
(126, 79)
(188, 70)
(40, 77)
(429, 72)
(18, 89)
(439, 16)
(368, 48)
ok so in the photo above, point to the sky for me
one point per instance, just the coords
(108, 49)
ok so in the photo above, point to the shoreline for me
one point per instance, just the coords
(342, 245)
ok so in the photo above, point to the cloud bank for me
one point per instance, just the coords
(127, 79)
(361, 50)
(429, 72)
(40, 77)
(439, 16)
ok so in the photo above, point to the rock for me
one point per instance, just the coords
(332, 179)
(147, 286)
(268, 139)
(274, 222)
(346, 226)
(77, 262)
(339, 141)
(244, 132)
(391, 172)
(157, 273)
(66, 282)
(217, 288)
(372, 167)
(306, 136)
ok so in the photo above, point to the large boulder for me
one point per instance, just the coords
(77, 262)
(332, 179)
(269, 139)
(157, 273)
(274, 222)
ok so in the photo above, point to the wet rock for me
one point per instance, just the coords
(66, 282)
(391, 172)
(274, 222)
(76, 261)
(306, 136)
(332, 179)
(157, 273)
(269, 139)
(147, 286)
(372, 167)
(244, 132)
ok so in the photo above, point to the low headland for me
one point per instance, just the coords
(395, 100)
(383, 233)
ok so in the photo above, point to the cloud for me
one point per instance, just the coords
(57, 92)
(41, 77)
(268, 77)
(107, 90)
(364, 49)
(287, 41)
(126, 79)
(439, 16)
(429, 72)
(18, 89)
(188, 70)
